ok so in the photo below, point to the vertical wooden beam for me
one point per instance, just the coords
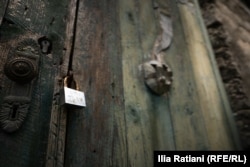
(188, 124)
(34, 19)
(214, 105)
(137, 102)
(148, 119)
(58, 123)
(96, 135)
(228, 111)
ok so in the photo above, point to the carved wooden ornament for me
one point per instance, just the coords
(21, 68)
(157, 76)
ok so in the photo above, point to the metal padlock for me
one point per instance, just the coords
(72, 97)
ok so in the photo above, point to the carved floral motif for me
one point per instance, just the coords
(22, 66)
(157, 76)
(20, 69)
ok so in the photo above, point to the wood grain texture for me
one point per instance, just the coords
(106, 132)
(33, 19)
(96, 134)
(58, 122)
(188, 125)
(213, 104)
(123, 122)
(230, 22)
(148, 119)
(124, 129)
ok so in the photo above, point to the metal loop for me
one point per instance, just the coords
(66, 85)
(77, 86)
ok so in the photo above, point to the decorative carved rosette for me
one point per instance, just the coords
(157, 76)
(22, 67)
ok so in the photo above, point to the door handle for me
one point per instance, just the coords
(21, 68)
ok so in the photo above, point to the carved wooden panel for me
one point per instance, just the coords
(35, 20)
(21, 68)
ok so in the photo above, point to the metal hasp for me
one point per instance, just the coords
(21, 69)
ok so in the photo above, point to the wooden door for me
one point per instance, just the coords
(101, 45)
(26, 26)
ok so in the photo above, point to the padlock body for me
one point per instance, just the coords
(72, 97)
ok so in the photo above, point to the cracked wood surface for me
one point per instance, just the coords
(123, 122)
(34, 19)
(96, 134)
(214, 107)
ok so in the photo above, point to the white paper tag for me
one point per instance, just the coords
(74, 97)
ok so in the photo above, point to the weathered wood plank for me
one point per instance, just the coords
(189, 129)
(231, 21)
(58, 122)
(34, 19)
(148, 119)
(213, 106)
(96, 134)
(136, 108)
(123, 122)
(230, 122)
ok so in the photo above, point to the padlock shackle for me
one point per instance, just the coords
(66, 85)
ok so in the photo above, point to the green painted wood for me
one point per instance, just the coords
(148, 119)
(185, 107)
(228, 114)
(33, 19)
(212, 103)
